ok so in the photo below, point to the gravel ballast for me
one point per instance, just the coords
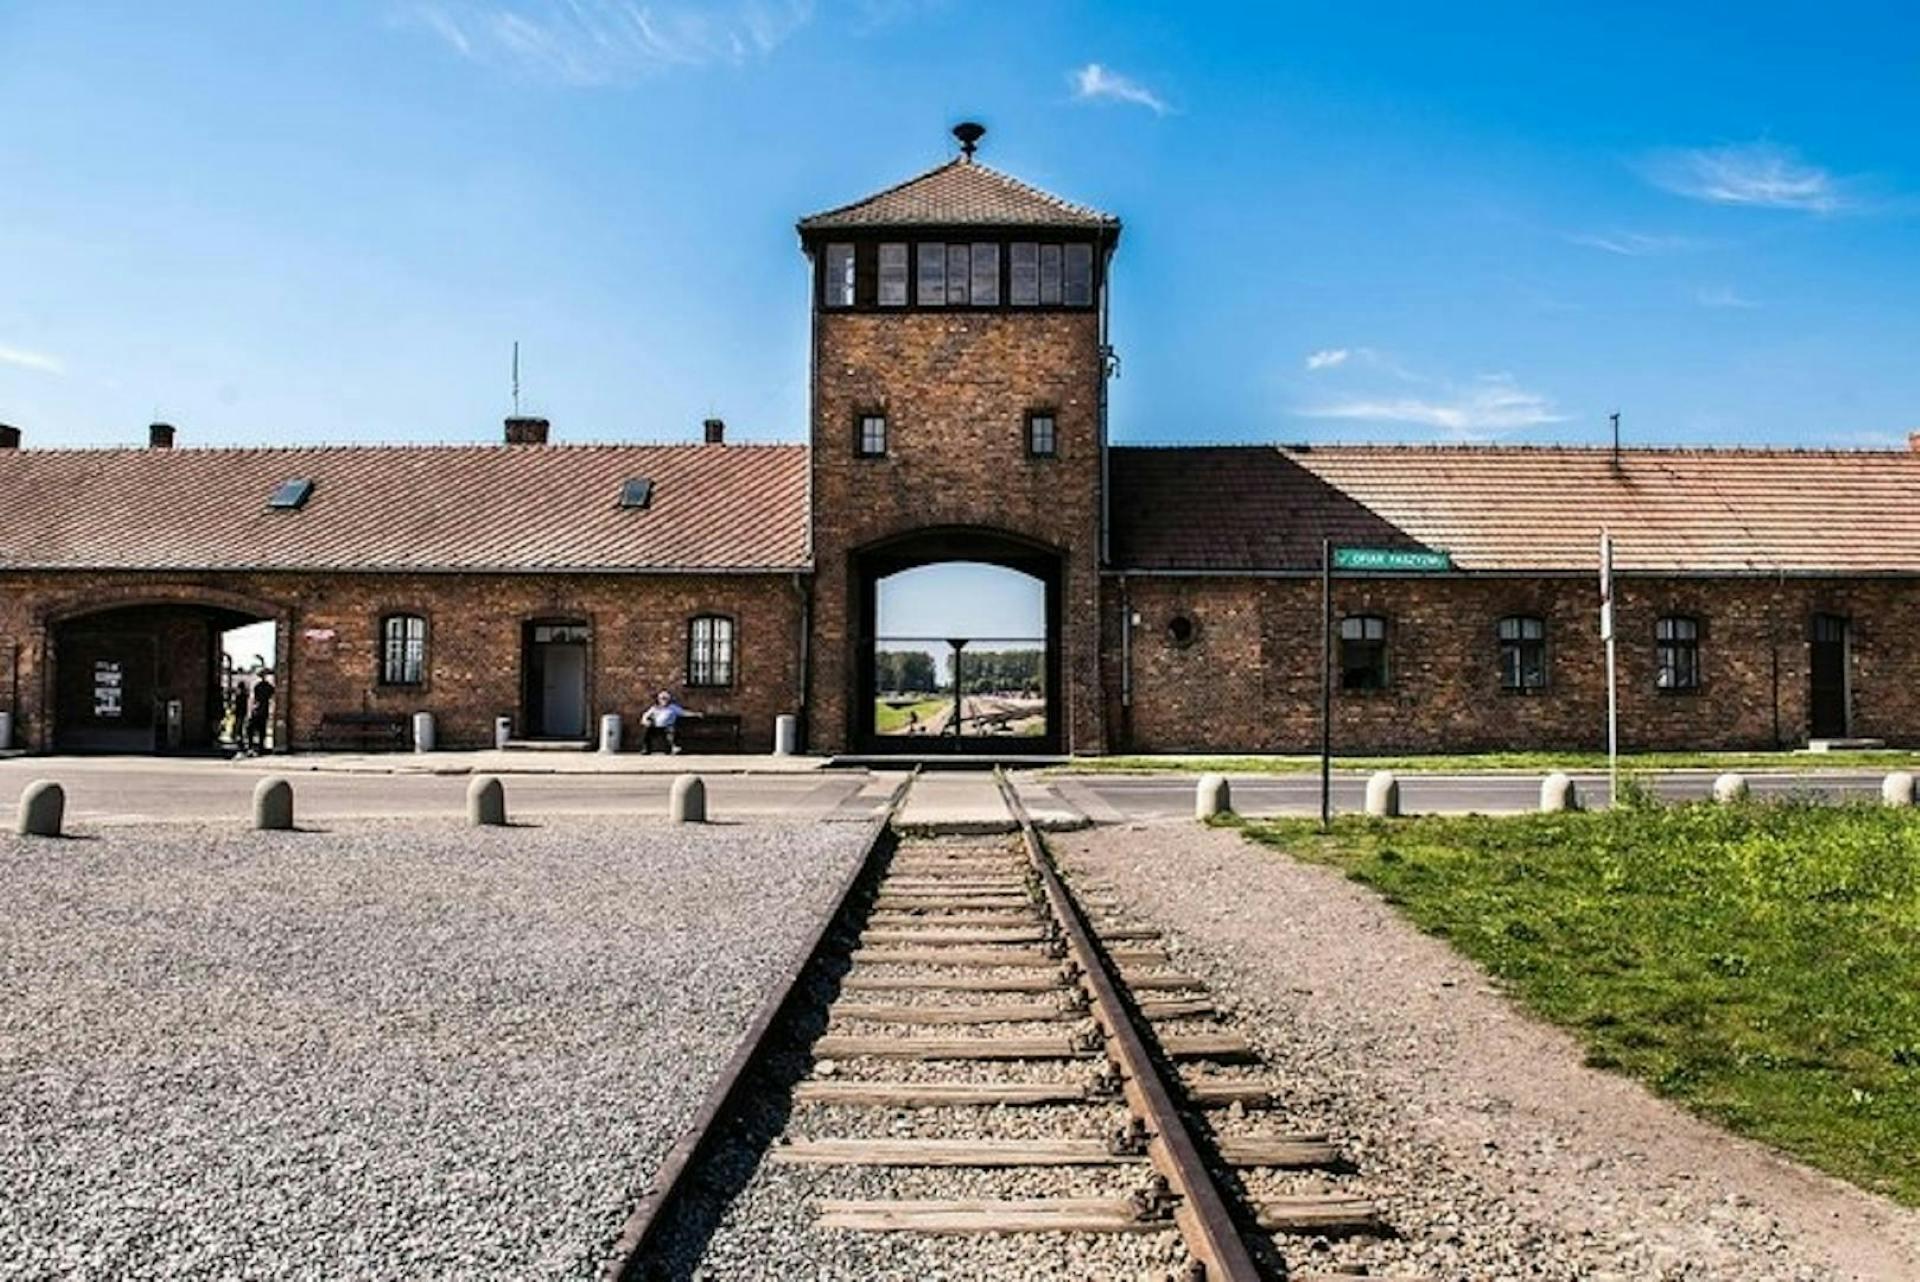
(1496, 1152)
(391, 1050)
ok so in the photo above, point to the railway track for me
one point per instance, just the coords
(997, 1058)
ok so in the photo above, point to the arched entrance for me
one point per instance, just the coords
(958, 645)
(156, 675)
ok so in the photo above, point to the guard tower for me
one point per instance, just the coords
(958, 414)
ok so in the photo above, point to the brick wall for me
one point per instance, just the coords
(956, 389)
(329, 641)
(1250, 677)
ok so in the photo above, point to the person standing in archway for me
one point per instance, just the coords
(257, 714)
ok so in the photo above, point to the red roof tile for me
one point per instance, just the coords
(960, 193)
(462, 507)
(1519, 508)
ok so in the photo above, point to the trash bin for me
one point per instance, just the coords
(423, 732)
(502, 731)
(610, 732)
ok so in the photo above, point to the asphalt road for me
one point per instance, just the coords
(126, 790)
(1110, 798)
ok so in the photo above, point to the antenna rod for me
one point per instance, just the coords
(1615, 416)
(516, 380)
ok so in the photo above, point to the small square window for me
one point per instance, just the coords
(871, 436)
(291, 495)
(1042, 435)
(636, 492)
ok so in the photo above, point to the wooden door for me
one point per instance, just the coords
(1827, 672)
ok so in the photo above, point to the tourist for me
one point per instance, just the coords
(657, 722)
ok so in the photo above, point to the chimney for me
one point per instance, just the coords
(526, 431)
(9, 437)
(159, 436)
(717, 432)
(1913, 441)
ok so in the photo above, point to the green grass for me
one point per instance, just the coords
(888, 719)
(1281, 764)
(1759, 964)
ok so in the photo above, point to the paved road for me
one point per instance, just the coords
(1109, 798)
(133, 790)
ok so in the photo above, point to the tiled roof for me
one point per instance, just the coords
(960, 193)
(1507, 509)
(461, 507)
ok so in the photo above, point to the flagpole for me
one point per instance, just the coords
(1613, 698)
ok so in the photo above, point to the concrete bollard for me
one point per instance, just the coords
(688, 802)
(502, 731)
(1383, 795)
(786, 735)
(1558, 792)
(610, 731)
(273, 804)
(1730, 788)
(1897, 789)
(423, 732)
(1212, 797)
(486, 802)
(6, 731)
(42, 808)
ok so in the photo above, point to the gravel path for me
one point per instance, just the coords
(1497, 1153)
(398, 1050)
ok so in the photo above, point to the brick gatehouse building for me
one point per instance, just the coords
(959, 367)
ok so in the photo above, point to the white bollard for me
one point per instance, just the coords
(1558, 792)
(610, 725)
(1730, 788)
(273, 805)
(1897, 789)
(786, 735)
(43, 806)
(486, 802)
(423, 732)
(502, 731)
(1383, 795)
(6, 731)
(687, 804)
(1212, 797)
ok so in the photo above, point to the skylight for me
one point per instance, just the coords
(636, 492)
(291, 495)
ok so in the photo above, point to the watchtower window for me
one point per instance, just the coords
(986, 274)
(1049, 275)
(1024, 277)
(958, 275)
(1078, 289)
(893, 275)
(839, 276)
(870, 436)
(933, 275)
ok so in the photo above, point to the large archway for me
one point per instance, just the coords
(157, 675)
(958, 647)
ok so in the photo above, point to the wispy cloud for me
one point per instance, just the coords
(1328, 358)
(598, 42)
(1722, 296)
(39, 362)
(1761, 174)
(1095, 83)
(1492, 405)
(1633, 244)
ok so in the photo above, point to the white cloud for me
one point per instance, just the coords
(597, 42)
(1328, 358)
(1722, 296)
(1762, 174)
(1494, 404)
(1632, 244)
(1095, 83)
(38, 361)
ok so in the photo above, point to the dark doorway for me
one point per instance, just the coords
(957, 651)
(554, 668)
(142, 678)
(1827, 671)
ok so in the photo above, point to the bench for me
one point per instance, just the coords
(364, 730)
(716, 731)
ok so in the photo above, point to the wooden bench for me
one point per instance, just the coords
(715, 731)
(364, 730)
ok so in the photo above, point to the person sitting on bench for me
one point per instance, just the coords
(657, 722)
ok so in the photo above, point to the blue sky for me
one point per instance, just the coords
(1495, 221)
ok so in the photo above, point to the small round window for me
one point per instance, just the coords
(1181, 630)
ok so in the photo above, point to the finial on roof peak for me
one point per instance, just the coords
(969, 133)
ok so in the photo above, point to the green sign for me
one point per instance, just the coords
(1393, 560)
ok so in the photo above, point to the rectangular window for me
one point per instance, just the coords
(933, 275)
(986, 274)
(958, 276)
(1363, 652)
(1042, 439)
(1676, 653)
(1049, 275)
(710, 651)
(1024, 285)
(839, 284)
(1523, 654)
(403, 650)
(1078, 290)
(893, 275)
(870, 439)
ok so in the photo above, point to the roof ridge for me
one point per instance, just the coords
(1465, 447)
